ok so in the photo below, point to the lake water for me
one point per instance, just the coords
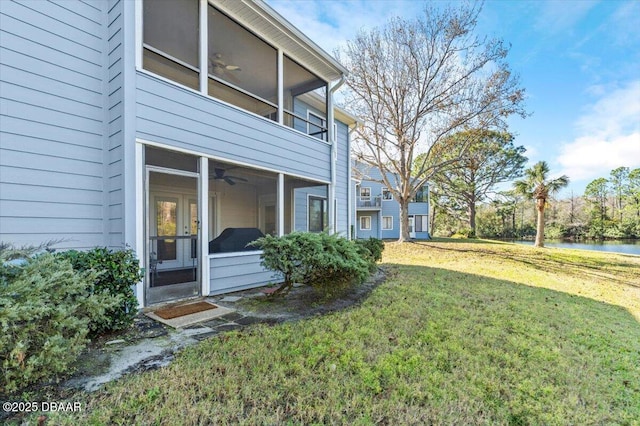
(623, 246)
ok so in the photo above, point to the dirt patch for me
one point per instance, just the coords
(301, 302)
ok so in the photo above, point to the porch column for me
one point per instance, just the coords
(141, 247)
(204, 48)
(280, 211)
(203, 217)
(280, 87)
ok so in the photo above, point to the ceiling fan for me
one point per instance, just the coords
(231, 180)
(218, 66)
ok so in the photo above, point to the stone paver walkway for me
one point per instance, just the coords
(150, 344)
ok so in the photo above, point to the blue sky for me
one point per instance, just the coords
(578, 60)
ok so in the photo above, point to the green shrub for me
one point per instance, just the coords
(554, 232)
(464, 233)
(371, 250)
(118, 271)
(45, 309)
(329, 263)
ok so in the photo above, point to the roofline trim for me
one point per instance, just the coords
(298, 36)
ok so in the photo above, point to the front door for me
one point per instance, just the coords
(172, 235)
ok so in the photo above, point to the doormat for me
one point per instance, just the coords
(182, 310)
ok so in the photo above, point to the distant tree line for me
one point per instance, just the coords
(609, 208)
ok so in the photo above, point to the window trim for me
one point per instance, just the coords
(364, 197)
(382, 191)
(368, 217)
(323, 212)
(382, 226)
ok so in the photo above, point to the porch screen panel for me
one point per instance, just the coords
(298, 83)
(244, 63)
(171, 40)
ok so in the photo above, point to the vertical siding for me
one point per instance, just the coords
(342, 179)
(52, 116)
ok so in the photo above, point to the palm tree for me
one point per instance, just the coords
(536, 184)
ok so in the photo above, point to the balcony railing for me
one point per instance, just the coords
(369, 202)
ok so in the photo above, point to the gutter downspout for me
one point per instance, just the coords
(334, 156)
(350, 187)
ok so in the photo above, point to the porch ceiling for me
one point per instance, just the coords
(266, 22)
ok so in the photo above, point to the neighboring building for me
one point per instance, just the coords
(377, 213)
(159, 125)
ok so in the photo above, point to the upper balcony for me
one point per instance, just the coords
(369, 203)
(243, 53)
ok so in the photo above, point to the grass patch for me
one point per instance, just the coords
(461, 333)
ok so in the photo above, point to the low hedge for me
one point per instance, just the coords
(329, 263)
(118, 272)
(45, 310)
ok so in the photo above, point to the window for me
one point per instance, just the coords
(387, 223)
(318, 214)
(316, 126)
(386, 194)
(422, 223)
(422, 195)
(365, 223)
(365, 193)
(170, 40)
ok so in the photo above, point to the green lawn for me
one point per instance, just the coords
(461, 333)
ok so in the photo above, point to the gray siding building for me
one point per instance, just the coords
(181, 129)
(377, 213)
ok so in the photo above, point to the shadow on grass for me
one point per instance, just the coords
(459, 241)
(429, 346)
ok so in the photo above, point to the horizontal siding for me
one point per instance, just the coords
(233, 273)
(181, 118)
(419, 208)
(52, 113)
(301, 208)
(388, 208)
(373, 232)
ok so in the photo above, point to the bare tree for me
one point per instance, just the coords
(415, 82)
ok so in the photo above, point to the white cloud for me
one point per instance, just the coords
(590, 157)
(332, 23)
(609, 136)
(560, 16)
